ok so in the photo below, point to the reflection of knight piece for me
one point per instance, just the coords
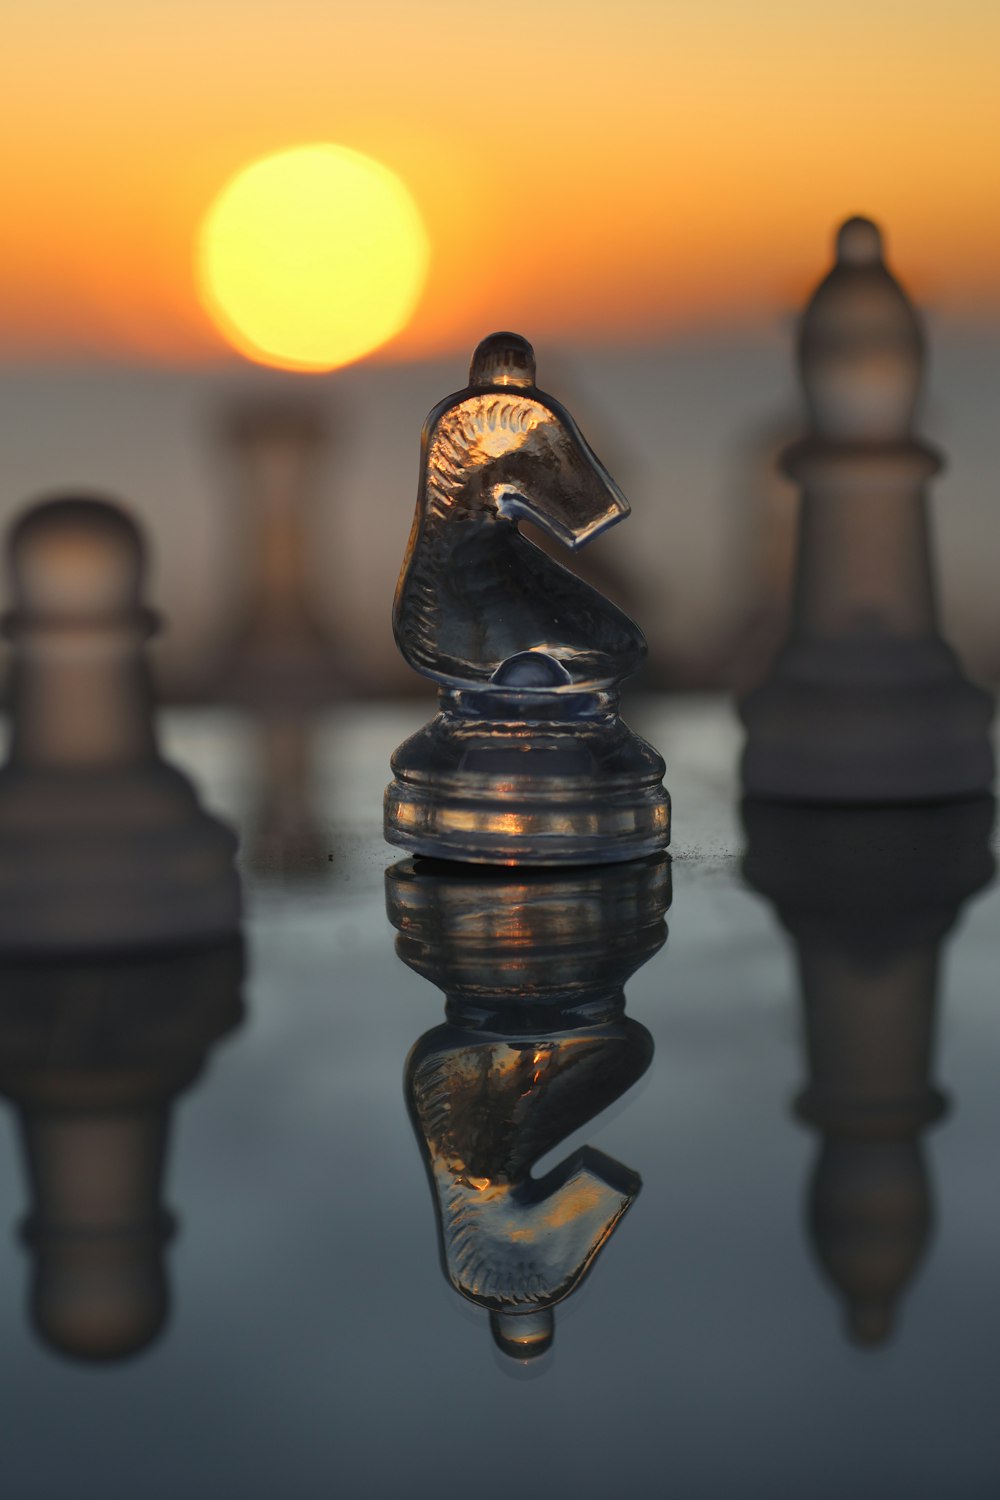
(536, 1043)
(93, 1053)
(527, 762)
(281, 666)
(868, 896)
(866, 702)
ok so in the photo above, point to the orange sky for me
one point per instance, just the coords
(586, 170)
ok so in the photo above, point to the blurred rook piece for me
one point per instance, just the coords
(866, 702)
(527, 762)
(92, 1053)
(102, 844)
(280, 667)
(868, 896)
(536, 1043)
(279, 653)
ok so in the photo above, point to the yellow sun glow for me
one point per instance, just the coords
(312, 257)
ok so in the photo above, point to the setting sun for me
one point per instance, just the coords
(312, 258)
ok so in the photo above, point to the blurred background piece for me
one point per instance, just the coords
(283, 211)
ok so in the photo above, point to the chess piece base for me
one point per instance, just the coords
(867, 722)
(557, 945)
(527, 777)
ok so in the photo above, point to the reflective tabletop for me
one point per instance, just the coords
(459, 1182)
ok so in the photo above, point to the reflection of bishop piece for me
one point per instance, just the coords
(868, 896)
(535, 1044)
(93, 1053)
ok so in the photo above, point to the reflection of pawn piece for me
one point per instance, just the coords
(536, 1044)
(102, 844)
(866, 702)
(868, 918)
(93, 1052)
(98, 1233)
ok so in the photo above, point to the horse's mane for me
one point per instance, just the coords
(461, 441)
(466, 437)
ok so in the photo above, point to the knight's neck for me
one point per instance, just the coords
(450, 546)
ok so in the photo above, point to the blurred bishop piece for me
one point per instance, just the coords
(103, 846)
(866, 703)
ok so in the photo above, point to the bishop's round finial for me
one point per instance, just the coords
(503, 359)
(76, 559)
(871, 1220)
(860, 348)
(859, 242)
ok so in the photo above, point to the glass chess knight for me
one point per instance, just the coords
(527, 761)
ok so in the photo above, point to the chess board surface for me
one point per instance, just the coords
(314, 1347)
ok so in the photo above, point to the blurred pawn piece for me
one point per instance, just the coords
(868, 897)
(92, 1053)
(866, 702)
(281, 666)
(102, 844)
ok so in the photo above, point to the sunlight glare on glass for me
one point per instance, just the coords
(312, 257)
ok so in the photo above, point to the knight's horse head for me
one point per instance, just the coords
(530, 458)
(472, 592)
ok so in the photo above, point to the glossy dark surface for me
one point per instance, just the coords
(313, 1346)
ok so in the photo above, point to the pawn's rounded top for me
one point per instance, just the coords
(77, 558)
(860, 346)
(859, 242)
(503, 359)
